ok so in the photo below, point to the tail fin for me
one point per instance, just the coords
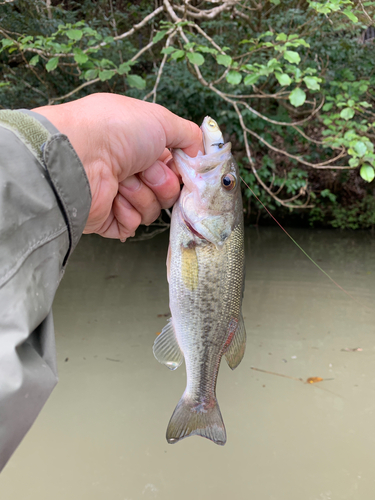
(190, 418)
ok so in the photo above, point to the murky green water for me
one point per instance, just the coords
(102, 433)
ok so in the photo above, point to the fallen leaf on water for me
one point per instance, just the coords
(313, 380)
(310, 380)
(352, 349)
(157, 333)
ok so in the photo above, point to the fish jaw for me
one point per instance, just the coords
(207, 209)
(212, 137)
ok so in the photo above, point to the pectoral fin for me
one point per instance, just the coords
(166, 348)
(236, 348)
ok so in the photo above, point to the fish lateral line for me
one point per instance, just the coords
(298, 246)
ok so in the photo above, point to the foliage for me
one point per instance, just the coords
(296, 77)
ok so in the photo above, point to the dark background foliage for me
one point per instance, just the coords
(269, 64)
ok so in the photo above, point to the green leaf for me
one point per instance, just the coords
(91, 74)
(74, 34)
(297, 97)
(123, 68)
(283, 79)
(273, 63)
(360, 148)
(106, 74)
(311, 82)
(347, 113)
(34, 60)
(224, 60)
(52, 64)
(367, 173)
(251, 79)
(206, 50)
(179, 54)
(350, 15)
(354, 162)
(79, 56)
(6, 42)
(234, 77)
(168, 50)
(159, 36)
(370, 146)
(328, 106)
(292, 56)
(136, 81)
(104, 63)
(189, 45)
(275, 2)
(195, 58)
(282, 37)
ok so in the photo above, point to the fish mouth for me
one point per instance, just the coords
(203, 162)
(192, 230)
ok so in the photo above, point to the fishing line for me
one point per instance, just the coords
(302, 250)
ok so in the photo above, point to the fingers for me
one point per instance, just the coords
(127, 218)
(141, 198)
(156, 188)
(122, 222)
(163, 182)
(180, 133)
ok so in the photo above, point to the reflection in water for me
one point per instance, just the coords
(102, 434)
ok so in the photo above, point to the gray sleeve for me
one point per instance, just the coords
(44, 204)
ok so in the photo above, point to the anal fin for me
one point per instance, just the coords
(166, 349)
(236, 348)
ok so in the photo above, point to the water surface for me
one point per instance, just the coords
(102, 433)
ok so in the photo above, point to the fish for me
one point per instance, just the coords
(206, 275)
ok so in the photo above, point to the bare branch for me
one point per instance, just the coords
(275, 122)
(135, 28)
(208, 14)
(171, 12)
(74, 91)
(154, 90)
(212, 42)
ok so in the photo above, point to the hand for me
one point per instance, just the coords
(122, 143)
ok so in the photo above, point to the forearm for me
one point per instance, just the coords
(44, 204)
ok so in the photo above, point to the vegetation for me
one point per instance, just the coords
(291, 82)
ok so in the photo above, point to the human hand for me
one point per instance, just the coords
(122, 143)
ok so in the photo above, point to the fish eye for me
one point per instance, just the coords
(212, 124)
(228, 182)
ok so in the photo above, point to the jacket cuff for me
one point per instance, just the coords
(67, 177)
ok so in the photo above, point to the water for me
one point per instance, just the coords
(102, 433)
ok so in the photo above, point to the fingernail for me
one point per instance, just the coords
(154, 175)
(132, 183)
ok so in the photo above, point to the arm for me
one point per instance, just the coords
(120, 152)
(44, 203)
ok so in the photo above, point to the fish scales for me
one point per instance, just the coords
(206, 278)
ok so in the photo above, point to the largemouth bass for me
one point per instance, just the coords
(205, 267)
